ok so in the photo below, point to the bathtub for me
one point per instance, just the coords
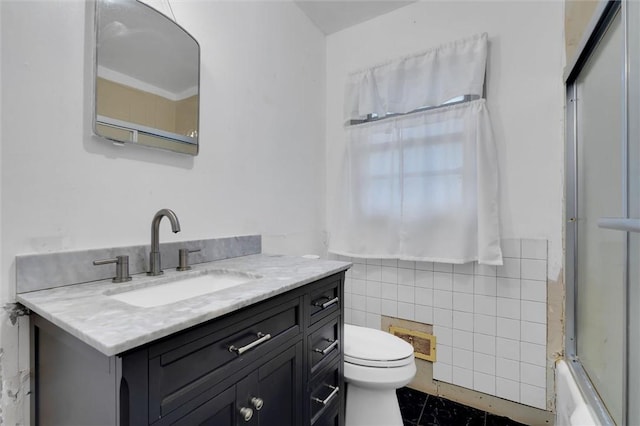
(571, 406)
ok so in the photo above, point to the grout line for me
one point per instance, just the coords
(424, 404)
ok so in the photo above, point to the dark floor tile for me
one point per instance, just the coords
(442, 412)
(411, 404)
(493, 420)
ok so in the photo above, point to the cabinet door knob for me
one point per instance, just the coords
(246, 413)
(257, 403)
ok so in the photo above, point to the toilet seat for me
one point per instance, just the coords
(375, 348)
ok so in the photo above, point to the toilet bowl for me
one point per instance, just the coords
(375, 365)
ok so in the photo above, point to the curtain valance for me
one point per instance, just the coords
(426, 79)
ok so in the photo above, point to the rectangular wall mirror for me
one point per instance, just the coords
(147, 78)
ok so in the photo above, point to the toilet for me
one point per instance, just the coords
(376, 363)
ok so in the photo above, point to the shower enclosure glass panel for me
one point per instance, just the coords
(600, 253)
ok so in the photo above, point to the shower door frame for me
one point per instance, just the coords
(603, 16)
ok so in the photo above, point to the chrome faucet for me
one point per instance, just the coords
(155, 267)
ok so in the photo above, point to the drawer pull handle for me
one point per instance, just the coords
(257, 403)
(332, 346)
(328, 399)
(246, 413)
(325, 305)
(261, 339)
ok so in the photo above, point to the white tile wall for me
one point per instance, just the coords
(490, 322)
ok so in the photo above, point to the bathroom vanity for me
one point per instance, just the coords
(267, 352)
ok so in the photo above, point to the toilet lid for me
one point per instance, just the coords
(376, 348)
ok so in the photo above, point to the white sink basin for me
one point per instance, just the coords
(179, 289)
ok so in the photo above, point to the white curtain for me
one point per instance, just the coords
(421, 186)
(426, 79)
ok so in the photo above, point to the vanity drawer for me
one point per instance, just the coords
(326, 394)
(324, 343)
(179, 374)
(325, 298)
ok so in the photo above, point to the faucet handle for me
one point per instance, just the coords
(122, 268)
(183, 259)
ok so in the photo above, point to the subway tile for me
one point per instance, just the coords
(485, 270)
(347, 273)
(534, 311)
(359, 318)
(372, 261)
(485, 324)
(348, 285)
(484, 363)
(406, 276)
(462, 321)
(373, 289)
(359, 260)
(374, 272)
(485, 285)
(533, 332)
(508, 308)
(374, 305)
(445, 354)
(463, 283)
(424, 266)
(463, 302)
(406, 294)
(389, 291)
(508, 369)
(407, 264)
(424, 279)
(509, 287)
(485, 383)
(359, 271)
(444, 335)
(463, 340)
(510, 268)
(508, 328)
(443, 281)
(534, 249)
(442, 372)
(484, 344)
(533, 375)
(508, 348)
(532, 353)
(465, 268)
(389, 307)
(347, 300)
(534, 290)
(485, 305)
(424, 296)
(534, 269)
(406, 311)
(389, 274)
(424, 314)
(358, 286)
(374, 320)
(507, 389)
(347, 316)
(462, 358)
(533, 396)
(511, 247)
(442, 267)
(358, 302)
(443, 299)
(462, 377)
(389, 262)
(443, 317)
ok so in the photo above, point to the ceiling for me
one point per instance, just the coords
(331, 16)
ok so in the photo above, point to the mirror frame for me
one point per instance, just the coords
(156, 138)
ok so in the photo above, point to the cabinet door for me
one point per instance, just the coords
(218, 411)
(274, 391)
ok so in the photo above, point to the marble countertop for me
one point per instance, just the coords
(87, 312)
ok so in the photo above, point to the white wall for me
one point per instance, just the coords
(524, 96)
(261, 163)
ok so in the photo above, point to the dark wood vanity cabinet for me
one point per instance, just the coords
(274, 363)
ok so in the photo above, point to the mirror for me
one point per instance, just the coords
(147, 78)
